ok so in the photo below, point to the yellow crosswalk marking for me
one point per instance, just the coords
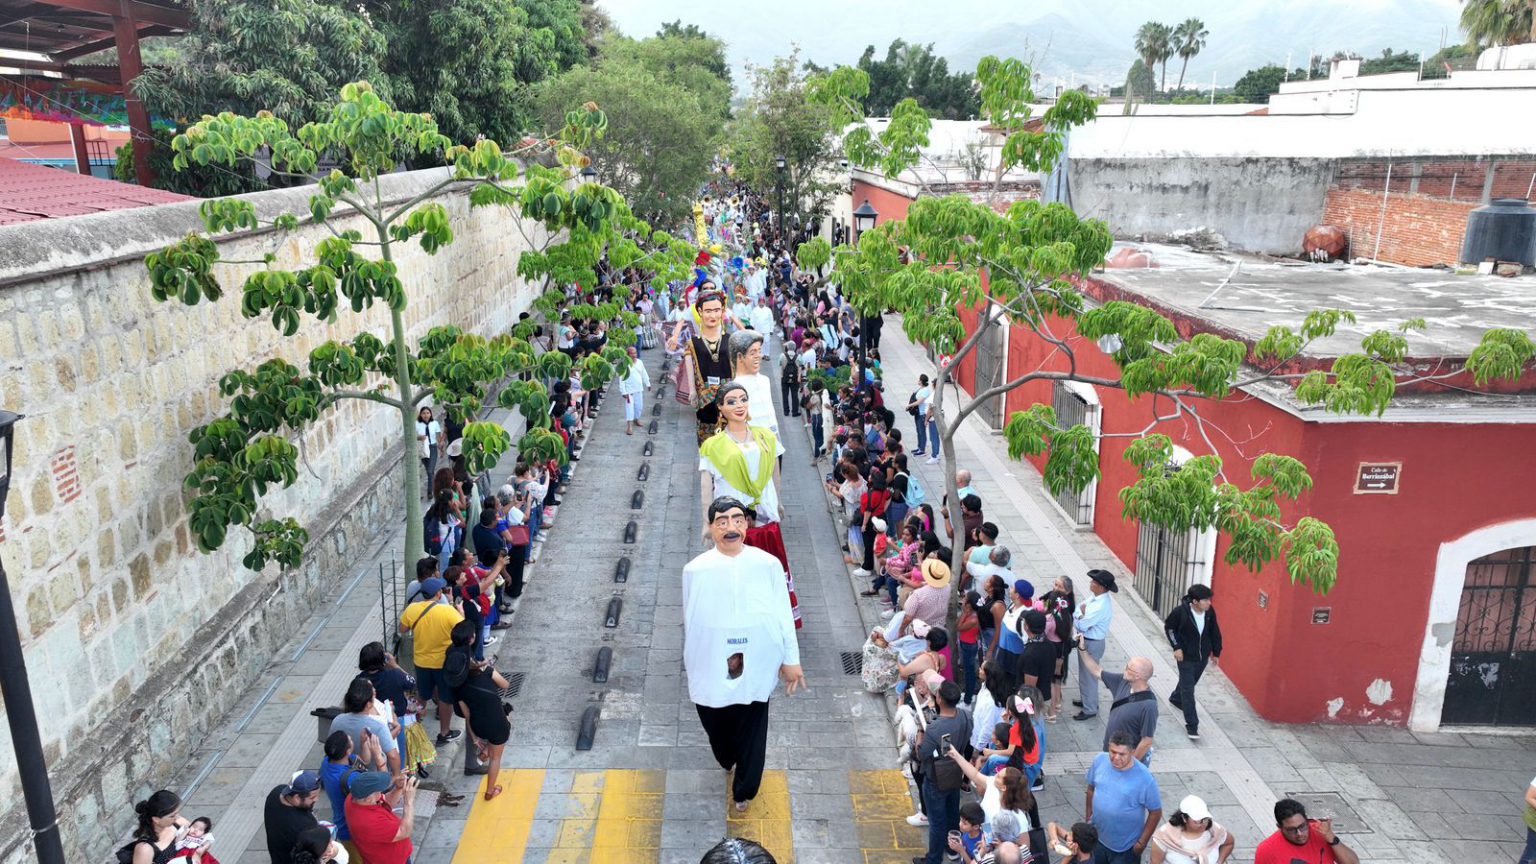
(497, 830)
(881, 803)
(767, 820)
(629, 816)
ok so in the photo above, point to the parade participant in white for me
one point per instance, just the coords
(746, 351)
(632, 387)
(738, 642)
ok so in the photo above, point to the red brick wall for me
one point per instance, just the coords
(1418, 230)
(1427, 205)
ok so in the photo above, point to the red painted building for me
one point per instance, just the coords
(1433, 620)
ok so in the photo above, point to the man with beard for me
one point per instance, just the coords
(288, 812)
(704, 348)
(738, 642)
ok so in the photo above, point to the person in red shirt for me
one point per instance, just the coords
(380, 836)
(1301, 840)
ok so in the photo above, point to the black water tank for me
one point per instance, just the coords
(1503, 231)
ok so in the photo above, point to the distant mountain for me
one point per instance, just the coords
(1093, 40)
(1089, 41)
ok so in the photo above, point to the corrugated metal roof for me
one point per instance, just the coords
(32, 192)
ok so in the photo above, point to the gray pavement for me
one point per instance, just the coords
(834, 791)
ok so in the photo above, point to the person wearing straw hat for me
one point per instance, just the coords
(930, 602)
(1191, 836)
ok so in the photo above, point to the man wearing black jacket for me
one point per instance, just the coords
(1196, 639)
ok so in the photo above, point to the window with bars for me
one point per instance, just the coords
(1072, 409)
(1168, 562)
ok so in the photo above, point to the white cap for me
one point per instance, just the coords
(920, 628)
(1193, 806)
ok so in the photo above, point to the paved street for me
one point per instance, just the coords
(833, 791)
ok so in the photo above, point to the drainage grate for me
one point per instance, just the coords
(1321, 804)
(853, 662)
(514, 685)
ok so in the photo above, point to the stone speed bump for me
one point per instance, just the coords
(587, 731)
(645, 468)
(615, 608)
(621, 570)
(650, 447)
(637, 500)
(631, 531)
(651, 429)
(601, 666)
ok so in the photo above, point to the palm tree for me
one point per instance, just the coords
(1189, 38)
(1499, 22)
(1154, 44)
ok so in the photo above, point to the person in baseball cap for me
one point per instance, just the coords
(303, 783)
(367, 783)
(432, 586)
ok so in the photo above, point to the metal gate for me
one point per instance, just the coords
(1167, 563)
(1493, 660)
(989, 371)
(1074, 410)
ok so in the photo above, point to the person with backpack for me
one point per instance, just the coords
(917, 406)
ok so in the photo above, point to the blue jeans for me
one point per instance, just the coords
(968, 655)
(1529, 855)
(922, 432)
(933, 439)
(943, 817)
(817, 438)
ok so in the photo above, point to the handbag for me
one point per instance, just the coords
(683, 382)
(518, 535)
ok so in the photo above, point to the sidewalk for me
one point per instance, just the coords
(1397, 796)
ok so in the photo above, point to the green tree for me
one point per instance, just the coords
(242, 455)
(1489, 23)
(201, 181)
(1154, 45)
(1457, 56)
(781, 120)
(696, 64)
(1139, 83)
(930, 264)
(468, 62)
(244, 57)
(913, 71)
(1188, 40)
(1257, 85)
(657, 150)
(1390, 61)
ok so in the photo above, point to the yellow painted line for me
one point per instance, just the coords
(629, 816)
(767, 819)
(497, 830)
(881, 803)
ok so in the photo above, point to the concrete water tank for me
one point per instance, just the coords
(1502, 231)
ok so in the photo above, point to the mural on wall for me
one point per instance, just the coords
(79, 103)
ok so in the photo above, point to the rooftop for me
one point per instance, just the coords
(32, 192)
(1244, 296)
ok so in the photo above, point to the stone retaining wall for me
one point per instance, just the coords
(136, 643)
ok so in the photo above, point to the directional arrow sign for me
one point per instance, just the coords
(1378, 478)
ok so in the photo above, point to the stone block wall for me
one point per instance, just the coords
(136, 642)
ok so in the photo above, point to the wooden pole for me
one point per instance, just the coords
(82, 156)
(130, 63)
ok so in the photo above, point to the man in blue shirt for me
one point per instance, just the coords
(1123, 802)
(1092, 627)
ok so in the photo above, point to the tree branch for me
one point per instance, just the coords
(404, 208)
(335, 396)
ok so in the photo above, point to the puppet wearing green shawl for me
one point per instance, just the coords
(725, 454)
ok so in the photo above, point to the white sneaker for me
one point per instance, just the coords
(917, 819)
(491, 641)
(932, 460)
(862, 573)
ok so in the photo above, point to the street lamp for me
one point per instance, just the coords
(780, 163)
(19, 713)
(589, 174)
(864, 219)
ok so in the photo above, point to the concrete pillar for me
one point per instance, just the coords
(82, 155)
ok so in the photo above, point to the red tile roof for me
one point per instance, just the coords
(32, 192)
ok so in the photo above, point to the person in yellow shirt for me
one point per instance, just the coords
(432, 621)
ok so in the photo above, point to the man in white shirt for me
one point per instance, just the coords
(762, 321)
(738, 642)
(1092, 627)
(632, 387)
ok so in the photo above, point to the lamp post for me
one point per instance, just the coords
(864, 219)
(780, 163)
(19, 712)
(588, 174)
